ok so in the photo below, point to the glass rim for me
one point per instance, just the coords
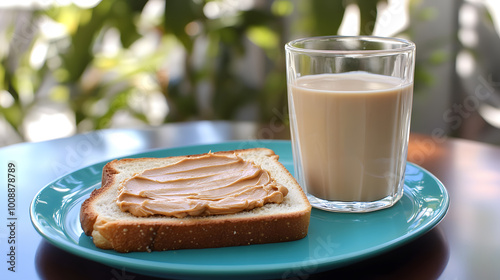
(405, 45)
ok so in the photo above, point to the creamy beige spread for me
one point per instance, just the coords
(205, 185)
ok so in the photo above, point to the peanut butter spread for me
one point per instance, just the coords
(205, 185)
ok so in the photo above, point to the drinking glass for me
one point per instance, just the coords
(350, 100)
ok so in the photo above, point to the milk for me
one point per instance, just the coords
(350, 134)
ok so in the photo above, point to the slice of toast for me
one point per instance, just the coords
(111, 228)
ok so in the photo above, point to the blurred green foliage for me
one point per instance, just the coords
(205, 59)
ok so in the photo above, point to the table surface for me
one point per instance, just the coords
(465, 245)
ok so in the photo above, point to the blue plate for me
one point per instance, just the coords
(334, 239)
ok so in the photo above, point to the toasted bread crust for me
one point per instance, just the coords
(87, 215)
(144, 234)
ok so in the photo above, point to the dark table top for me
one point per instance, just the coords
(465, 245)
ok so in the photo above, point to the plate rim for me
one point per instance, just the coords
(193, 270)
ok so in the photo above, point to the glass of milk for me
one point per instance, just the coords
(350, 101)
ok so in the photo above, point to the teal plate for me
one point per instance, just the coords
(334, 239)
